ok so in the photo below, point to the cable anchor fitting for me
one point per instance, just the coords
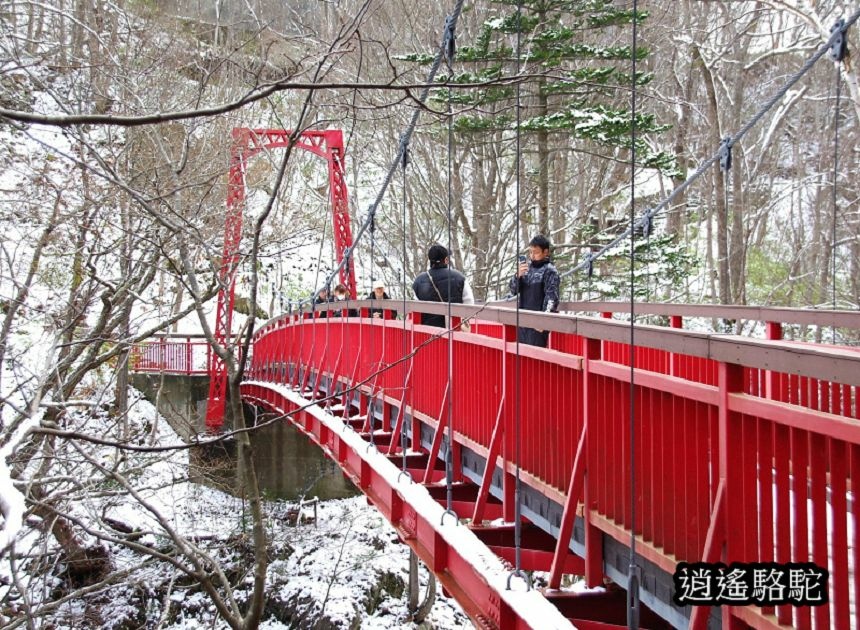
(589, 264)
(634, 579)
(404, 152)
(647, 225)
(725, 153)
(838, 41)
(449, 41)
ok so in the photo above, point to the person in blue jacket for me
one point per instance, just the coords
(537, 285)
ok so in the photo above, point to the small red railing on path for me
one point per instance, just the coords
(173, 354)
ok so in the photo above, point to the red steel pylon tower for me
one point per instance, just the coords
(327, 144)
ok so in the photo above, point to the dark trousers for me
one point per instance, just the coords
(429, 319)
(532, 337)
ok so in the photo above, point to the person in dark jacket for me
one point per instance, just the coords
(341, 294)
(378, 292)
(322, 298)
(537, 284)
(440, 284)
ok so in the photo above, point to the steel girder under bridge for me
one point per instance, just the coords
(747, 449)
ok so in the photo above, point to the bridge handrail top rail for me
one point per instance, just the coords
(177, 336)
(832, 363)
(775, 314)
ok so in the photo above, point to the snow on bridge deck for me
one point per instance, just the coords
(464, 564)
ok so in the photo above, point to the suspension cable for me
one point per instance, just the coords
(404, 162)
(371, 407)
(837, 53)
(319, 265)
(835, 203)
(449, 47)
(726, 167)
(837, 36)
(372, 257)
(517, 367)
(633, 569)
(450, 27)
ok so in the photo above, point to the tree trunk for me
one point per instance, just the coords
(737, 251)
(562, 201)
(413, 582)
(722, 236)
(674, 217)
(543, 162)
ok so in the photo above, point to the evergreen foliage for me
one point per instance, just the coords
(663, 266)
(572, 78)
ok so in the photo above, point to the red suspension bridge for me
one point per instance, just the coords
(493, 459)
(746, 449)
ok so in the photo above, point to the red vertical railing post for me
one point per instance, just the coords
(509, 335)
(712, 551)
(730, 381)
(605, 344)
(725, 524)
(730, 453)
(767, 485)
(818, 524)
(838, 533)
(782, 471)
(188, 365)
(854, 473)
(416, 423)
(577, 477)
(773, 332)
(675, 321)
(591, 414)
(437, 437)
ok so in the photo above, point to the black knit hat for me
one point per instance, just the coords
(437, 253)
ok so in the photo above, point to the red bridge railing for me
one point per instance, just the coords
(746, 450)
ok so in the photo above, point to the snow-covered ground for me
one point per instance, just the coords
(347, 569)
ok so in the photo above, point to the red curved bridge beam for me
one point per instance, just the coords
(463, 564)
